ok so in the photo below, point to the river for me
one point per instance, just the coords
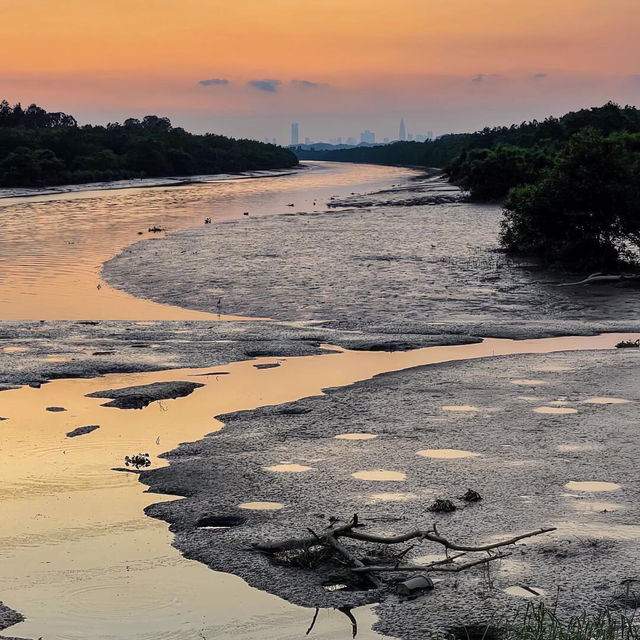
(78, 557)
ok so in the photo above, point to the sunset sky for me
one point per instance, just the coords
(250, 67)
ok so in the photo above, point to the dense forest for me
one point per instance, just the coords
(570, 185)
(39, 148)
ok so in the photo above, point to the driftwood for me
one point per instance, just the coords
(330, 536)
(599, 278)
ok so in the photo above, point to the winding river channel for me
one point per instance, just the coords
(78, 557)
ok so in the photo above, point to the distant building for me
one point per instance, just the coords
(410, 137)
(294, 133)
(429, 135)
(402, 132)
(307, 140)
(368, 137)
(421, 138)
(351, 141)
(385, 140)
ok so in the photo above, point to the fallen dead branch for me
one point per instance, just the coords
(352, 530)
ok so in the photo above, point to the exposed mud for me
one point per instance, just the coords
(90, 350)
(376, 269)
(81, 431)
(523, 462)
(139, 397)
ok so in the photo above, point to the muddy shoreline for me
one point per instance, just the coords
(525, 460)
(395, 284)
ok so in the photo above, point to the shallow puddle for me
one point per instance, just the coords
(459, 407)
(356, 436)
(528, 383)
(14, 349)
(555, 410)
(606, 400)
(380, 475)
(261, 506)
(447, 454)
(592, 486)
(288, 468)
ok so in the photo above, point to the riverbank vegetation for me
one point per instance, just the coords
(39, 148)
(570, 185)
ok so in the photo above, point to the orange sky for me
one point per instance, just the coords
(103, 58)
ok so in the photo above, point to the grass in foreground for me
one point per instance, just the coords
(539, 622)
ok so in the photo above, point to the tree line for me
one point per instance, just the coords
(40, 148)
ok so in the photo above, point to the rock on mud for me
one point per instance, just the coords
(140, 396)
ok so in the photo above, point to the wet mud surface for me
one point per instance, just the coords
(523, 467)
(366, 269)
(399, 269)
(40, 351)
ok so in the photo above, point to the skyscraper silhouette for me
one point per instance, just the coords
(402, 133)
(294, 133)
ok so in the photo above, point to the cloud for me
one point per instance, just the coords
(268, 85)
(481, 77)
(307, 84)
(212, 82)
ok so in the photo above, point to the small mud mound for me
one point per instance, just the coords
(139, 397)
(81, 431)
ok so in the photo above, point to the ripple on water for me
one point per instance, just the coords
(592, 486)
(356, 436)
(447, 454)
(606, 400)
(555, 410)
(261, 506)
(288, 468)
(380, 475)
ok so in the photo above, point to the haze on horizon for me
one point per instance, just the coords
(337, 67)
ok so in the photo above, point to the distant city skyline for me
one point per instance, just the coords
(366, 136)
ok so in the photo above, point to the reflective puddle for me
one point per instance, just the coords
(605, 400)
(592, 486)
(447, 454)
(288, 468)
(380, 475)
(261, 506)
(555, 410)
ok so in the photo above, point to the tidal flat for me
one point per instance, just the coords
(388, 278)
